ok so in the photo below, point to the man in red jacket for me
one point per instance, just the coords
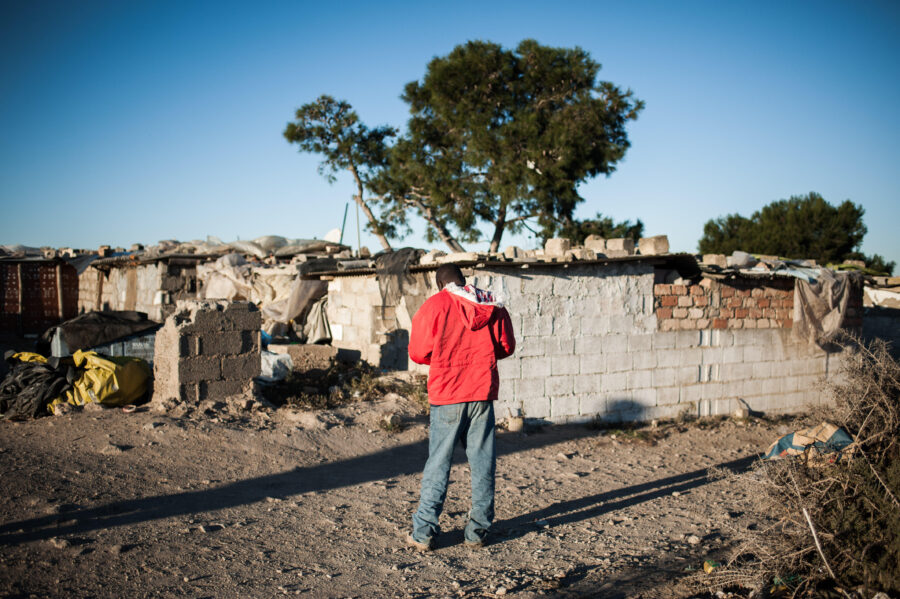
(461, 332)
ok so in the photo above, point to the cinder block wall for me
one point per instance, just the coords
(207, 349)
(594, 342)
(590, 345)
(359, 324)
(152, 288)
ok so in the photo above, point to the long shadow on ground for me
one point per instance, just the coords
(398, 461)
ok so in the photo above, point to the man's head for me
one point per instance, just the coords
(449, 273)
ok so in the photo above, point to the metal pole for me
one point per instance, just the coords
(358, 236)
(59, 292)
(344, 222)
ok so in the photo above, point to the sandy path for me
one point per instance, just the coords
(107, 504)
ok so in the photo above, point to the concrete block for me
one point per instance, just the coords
(220, 343)
(731, 355)
(762, 370)
(712, 355)
(663, 412)
(638, 343)
(555, 346)
(458, 257)
(614, 344)
(513, 252)
(687, 375)
(622, 324)
(189, 393)
(559, 385)
(653, 246)
(243, 367)
(210, 321)
(712, 390)
(664, 340)
(567, 325)
(525, 348)
(715, 260)
(536, 407)
(527, 388)
(645, 398)
(538, 284)
(596, 243)
(591, 363)
(592, 404)
(587, 384)
(691, 393)
(686, 339)
(536, 326)
(581, 254)
(667, 395)
(666, 358)
(737, 371)
(249, 320)
(509, 369)
(644, 360)
(639, 379)
(250, 341)
(535, 366)
(194, 370)
(597, 326)
(188, 345)
(626, 245)
(755, 353)
(563, 365)
(589, 345)
(690, 357)
(613, 383)
(220, 389)
(557, 247)
(564, 406)
(618, 362)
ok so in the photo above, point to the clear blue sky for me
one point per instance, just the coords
(128, 122)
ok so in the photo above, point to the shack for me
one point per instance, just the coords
(629, 338)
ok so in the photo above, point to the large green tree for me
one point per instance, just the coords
(498, 137)
(332, 128)
(799, 227)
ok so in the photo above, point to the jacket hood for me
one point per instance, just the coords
(476, 306)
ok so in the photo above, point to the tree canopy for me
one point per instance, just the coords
(332, 128)
(799, 227)
(496, 137)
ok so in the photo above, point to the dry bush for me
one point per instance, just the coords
(341, 384)
(820, 525)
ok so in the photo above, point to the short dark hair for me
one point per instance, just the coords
(449, 273)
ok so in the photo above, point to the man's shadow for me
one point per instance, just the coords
(592, 506)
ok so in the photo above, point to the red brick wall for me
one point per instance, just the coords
(711, 304)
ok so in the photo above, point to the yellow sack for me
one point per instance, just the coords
(112, 381)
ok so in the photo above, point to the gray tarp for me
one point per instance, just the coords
(820, 306)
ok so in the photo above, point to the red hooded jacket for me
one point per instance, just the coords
(461, 339)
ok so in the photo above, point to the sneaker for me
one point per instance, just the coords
(427, 546)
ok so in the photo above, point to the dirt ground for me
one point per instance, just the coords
(104, 503)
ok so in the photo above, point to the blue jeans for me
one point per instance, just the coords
(472, 423)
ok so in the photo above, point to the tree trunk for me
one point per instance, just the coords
(358, 198)
(499, 227)
(442, 230)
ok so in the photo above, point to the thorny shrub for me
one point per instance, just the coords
(850, 506)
